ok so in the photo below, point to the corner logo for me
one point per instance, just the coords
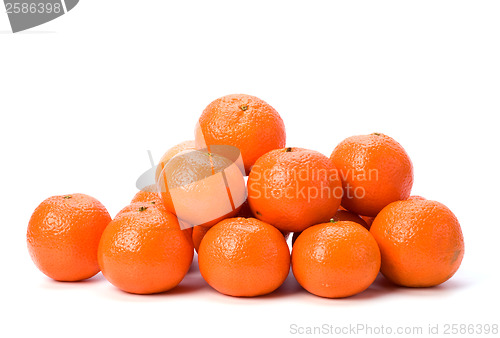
(26, 14)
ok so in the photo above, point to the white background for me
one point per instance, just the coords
(84, 97)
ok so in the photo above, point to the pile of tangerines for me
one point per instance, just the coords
(351, 216)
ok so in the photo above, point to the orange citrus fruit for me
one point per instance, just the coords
(144, 251)
(201, 187)
(63, 235)
(421, 242)
(294, 188)
(335, 260)
(375, 171)
(244, 257)
(243, 121)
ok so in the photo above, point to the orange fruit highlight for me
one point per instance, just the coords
(63, 235)
(244, 257)
(335, 260)
(294, 188)
(144, 251)
(375, 171)
(202, 188)
(421, 242)
(243, 121)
